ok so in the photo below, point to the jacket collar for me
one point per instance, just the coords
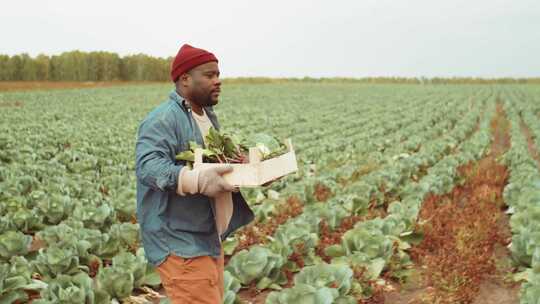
(179, 99)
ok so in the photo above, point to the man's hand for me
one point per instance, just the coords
(207, 181)
(211, 183)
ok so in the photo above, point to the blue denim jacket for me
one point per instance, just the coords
(183, 225)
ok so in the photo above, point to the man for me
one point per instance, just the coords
(181, 222)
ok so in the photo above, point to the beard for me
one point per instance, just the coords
(203, 99)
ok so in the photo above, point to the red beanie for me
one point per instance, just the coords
(187, 58)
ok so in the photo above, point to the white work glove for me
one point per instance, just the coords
(207, 181)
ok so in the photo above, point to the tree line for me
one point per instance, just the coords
(84, 66)
(108, 66)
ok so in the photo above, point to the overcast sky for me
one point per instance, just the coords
(487, 38)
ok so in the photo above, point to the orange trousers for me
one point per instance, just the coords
(193, 280)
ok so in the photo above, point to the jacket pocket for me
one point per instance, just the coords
(190, 213)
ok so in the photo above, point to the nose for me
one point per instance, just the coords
(217, 81)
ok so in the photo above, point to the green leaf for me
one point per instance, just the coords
(69, 289)
(116, 282)
(229, 245)
(53, 261)
(334, 251)
(338, 276)
(414, 238)
(264, 283)
(305, 294)
(136, 265)
(268, 145)
(224, 147)
(14, 243)
(186, 155)
(151, 278)
(376, 267)
(255, 264)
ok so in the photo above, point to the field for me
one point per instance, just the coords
(404, 194)
(11, 86)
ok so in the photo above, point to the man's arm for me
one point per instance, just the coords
(156, 169)
(154, 166)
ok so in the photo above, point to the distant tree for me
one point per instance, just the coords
(42, 63)
(14, 67)
(28, 68)
(4, 72)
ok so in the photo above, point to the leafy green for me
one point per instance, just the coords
(223, 147)
(304, 294)
(55, 208)
(54, 260)
(12, 285)
(257, 264)
(326, 275)
(268, 145)
(229, 245)
(127, 272)
(295, 235)
(68, 290)
(231, 287)
(126, 233)
(124, 204)
(115, 281)
(93, 216)
(135, 264)
(371, 242)
(24, 219)
(14, 243)
(15, 278)
(318, 284)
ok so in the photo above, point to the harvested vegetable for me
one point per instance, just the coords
(231, 149)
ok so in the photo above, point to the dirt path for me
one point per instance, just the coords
(251, 296)
(13, 86)
(463, 257)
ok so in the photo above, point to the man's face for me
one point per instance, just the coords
(203, 84)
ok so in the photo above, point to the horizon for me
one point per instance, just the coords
(259, 77)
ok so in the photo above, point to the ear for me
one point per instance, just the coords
(184, 80)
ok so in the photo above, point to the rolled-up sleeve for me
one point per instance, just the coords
(155, 151)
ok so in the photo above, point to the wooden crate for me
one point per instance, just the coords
(256, 172)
